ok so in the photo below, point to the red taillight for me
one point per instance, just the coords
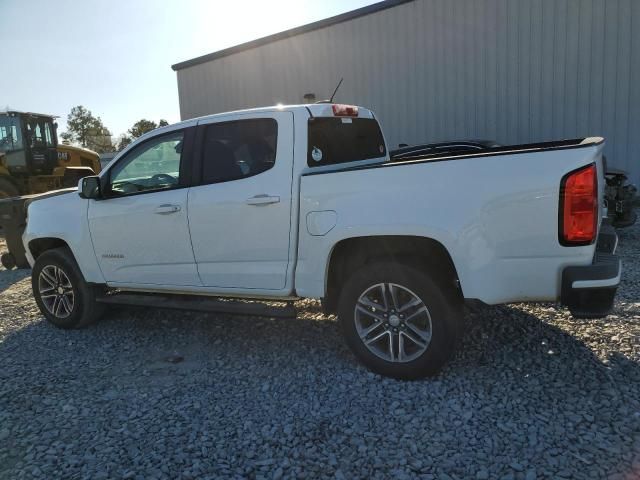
(345, 110)
(579, 206)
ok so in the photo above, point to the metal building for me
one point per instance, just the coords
(515, 71)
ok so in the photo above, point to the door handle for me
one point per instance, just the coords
(167, 209)
(263, 199)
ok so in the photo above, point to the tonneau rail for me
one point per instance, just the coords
(489, 152)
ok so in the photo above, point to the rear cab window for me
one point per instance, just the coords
(336, 140)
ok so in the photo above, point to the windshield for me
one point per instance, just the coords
(39, 132)
(10, 137)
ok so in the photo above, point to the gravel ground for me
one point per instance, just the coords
(532, 393)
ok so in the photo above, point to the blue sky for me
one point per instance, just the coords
(114, 57)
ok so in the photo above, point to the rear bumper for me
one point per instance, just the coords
(589, 290)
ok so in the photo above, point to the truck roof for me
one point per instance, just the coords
(315, 109)
(17, 112)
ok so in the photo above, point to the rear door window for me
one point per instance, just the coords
(334, 140)
(238, 149)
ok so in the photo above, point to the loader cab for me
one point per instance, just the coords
(28, 141)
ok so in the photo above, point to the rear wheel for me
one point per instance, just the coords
(61, 292)
(398, 321)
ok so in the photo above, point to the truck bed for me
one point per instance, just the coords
(495, 212)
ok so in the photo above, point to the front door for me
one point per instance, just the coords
(140, 230)
(240, 213)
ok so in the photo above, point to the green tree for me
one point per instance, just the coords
(124, 142)
(141, 127)
(137, 130)
(87, 130)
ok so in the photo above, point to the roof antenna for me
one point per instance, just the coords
(336, 90)
(334, 93)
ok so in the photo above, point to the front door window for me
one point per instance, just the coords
(154, 165)
(10, 137)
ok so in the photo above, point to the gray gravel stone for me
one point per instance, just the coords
(284, 398)
(482, 474)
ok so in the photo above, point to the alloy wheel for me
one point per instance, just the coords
(56, 291)
(393, 322)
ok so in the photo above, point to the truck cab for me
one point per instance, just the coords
(28, 141)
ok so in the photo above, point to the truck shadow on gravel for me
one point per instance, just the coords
(10, 277)
(520, 394)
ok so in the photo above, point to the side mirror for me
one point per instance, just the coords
(89, 187)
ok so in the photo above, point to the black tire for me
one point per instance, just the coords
(85, 310)
(8, 261)
(8, 189)
(444, 309)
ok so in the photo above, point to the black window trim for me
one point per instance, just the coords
(186, 164)
(198, 151)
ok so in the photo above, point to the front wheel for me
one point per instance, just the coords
(8, 261)
(61, 292)
(398, 321)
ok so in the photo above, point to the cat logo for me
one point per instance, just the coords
(64, 156)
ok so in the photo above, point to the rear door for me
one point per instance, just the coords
(240, 207)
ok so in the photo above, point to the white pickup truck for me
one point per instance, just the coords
(304, 201)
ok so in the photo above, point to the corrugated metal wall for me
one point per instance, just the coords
(512, 70)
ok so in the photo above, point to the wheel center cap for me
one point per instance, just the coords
(394, 320)
(60, 290)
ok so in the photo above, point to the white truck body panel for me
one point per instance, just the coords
(240, 229)
(496, 215)
(64, 217)
(155, 246)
